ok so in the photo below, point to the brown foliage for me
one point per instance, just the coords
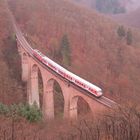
(130, 18)
(106, 60)
(10, 89)
(121, 124)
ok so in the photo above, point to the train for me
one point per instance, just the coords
(71, 77)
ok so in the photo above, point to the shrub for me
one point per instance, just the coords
(31, 113)
(121, 31)
(4, 110)
(129, 37)
(65, 51)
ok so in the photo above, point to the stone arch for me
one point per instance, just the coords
(75, 106)
(25, 67)
(49, 103)
(34, 96)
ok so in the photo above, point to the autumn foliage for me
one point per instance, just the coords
(11, 89)
(106, 60)
(96, 54)
(131, 18)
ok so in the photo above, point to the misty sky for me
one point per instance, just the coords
(133, 4)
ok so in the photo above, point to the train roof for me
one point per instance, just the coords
(72, 74)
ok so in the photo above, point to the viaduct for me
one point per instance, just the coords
(71, 93)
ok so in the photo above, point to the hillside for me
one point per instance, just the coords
(130, 19)
(107, 60)
(97, 53)
(11, 90)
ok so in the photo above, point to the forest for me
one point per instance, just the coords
(70, 34)
(90, 35)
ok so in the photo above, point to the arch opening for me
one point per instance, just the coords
(40, 86)
(79, 108)
(53, 104)
(36, 87)
(82, 107)
(58, 100)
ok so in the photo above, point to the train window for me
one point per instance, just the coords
(91, 89)
(79, 83)
(67, 76)
(43, 61)
(84, 85)
(70, 78)
(76, 81)
(62, 73)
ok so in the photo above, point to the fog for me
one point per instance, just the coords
(132, 5)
